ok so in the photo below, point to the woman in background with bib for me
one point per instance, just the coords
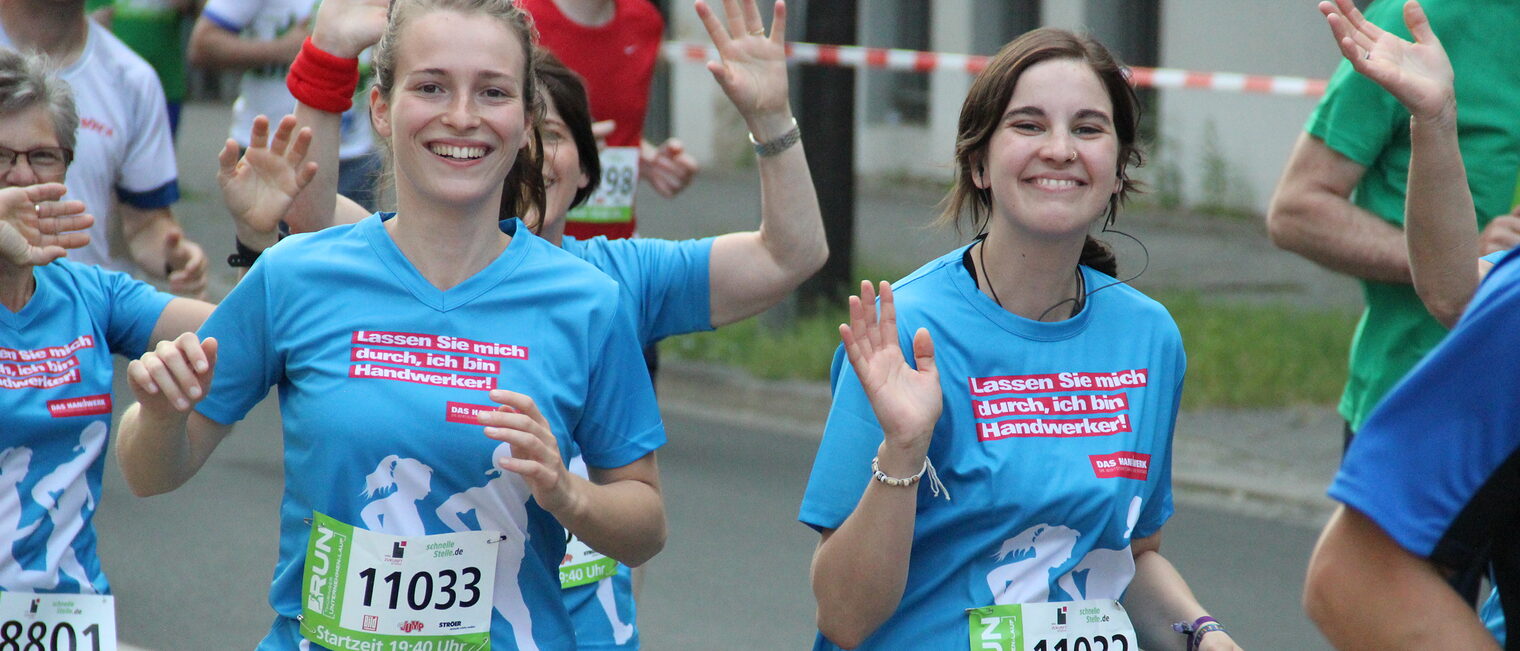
(1021, 463)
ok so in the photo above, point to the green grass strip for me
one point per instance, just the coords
(1240, 355)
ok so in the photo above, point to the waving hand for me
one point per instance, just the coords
(752, 65)
(907, 401)
(1419, 74)
(36, 228)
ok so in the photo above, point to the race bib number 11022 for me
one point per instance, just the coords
(1094, 625)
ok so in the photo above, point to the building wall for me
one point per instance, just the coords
(1253, 133)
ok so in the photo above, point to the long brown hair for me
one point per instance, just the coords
(983, 111)
(524, 186)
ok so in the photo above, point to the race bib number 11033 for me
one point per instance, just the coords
(367, 591)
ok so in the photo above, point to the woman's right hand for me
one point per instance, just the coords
(175, 375)
(345, 27)
(37, 228)
(907, 401)
(1419, 74)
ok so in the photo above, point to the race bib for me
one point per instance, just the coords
(52, 622)
(367, 591)
(613, 200)
(584, 565)
(1095, 625)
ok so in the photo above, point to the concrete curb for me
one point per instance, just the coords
(1270, 463)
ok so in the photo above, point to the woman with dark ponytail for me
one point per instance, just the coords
(1011, 481)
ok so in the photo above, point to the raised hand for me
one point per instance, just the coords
(259, 187)
(907, 402)
(1419, 74)
(535, 451)
(175, 375)
(752, 66)
(36, 228)
(345, 27)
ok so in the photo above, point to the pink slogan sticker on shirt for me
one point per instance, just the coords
(1125, 465)
(98, 405)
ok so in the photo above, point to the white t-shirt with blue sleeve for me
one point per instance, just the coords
(380, 375)
(667, 286)
(1054, 446)
(55, 417)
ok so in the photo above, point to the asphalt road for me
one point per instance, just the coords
(191, 569)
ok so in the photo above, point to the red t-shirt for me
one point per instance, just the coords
(617, 61)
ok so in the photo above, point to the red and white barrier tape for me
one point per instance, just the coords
(849, 56)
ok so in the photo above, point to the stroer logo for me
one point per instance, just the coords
(411, 626)
(1121, 465)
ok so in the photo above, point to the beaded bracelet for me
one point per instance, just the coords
(882, 477)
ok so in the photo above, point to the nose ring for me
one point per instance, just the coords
(1072, 157)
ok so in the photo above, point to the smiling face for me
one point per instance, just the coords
(1052, 162)
(563, 173)
(25, 130)
(455, 115)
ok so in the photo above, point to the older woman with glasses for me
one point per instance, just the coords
(60, 321)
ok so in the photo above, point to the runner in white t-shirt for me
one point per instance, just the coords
(261, 37)
(124, 167)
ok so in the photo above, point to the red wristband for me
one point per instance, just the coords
(321, 80)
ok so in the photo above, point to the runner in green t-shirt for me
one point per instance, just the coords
(1341, 200)
(154, 30)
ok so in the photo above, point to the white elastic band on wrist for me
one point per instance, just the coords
(935, 485)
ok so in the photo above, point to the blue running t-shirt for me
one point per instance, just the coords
(380, 375)
(666, 284)
(1437, 465)
(55, 413)
(1054, 446)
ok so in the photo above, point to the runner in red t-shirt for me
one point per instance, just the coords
(614, 44)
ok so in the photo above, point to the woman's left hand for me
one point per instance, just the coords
(752, 69)
(259, 187)
(535, 450)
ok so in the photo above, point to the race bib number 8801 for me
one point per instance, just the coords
(366, 591)
(1094, 625)
(57, 622)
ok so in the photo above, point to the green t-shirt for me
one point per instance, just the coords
(152, 29)
(1363, 122)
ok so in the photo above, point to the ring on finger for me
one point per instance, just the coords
(757, 32)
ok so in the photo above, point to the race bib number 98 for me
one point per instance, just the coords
(366, 591)
(612, 202)
(1095, 625)
(57, 622)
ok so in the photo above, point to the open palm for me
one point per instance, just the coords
(752, 69)
(36, 228)
(907, 401)
(1419, 74)
(259, 188)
